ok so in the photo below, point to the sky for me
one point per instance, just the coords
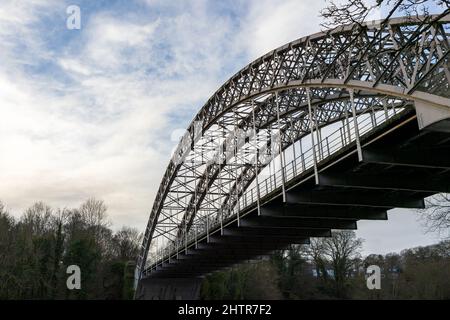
(96, 112)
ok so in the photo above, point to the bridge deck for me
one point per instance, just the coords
(401, 166)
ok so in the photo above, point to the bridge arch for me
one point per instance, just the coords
(352, 75)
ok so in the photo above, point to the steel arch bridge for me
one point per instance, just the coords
(281, 132)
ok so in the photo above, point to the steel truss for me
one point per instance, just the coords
(287, 111)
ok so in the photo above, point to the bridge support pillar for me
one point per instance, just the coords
(433, 117)
(169, 289)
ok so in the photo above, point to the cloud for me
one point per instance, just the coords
(271, 24)
(402, 231)
(94, 115)
(95, 112)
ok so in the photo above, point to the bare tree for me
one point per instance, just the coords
(351, 11)
(436, 215)
(356, 11)
(127, 243)
(338, 251)
(38, 218)
(2, 208)
(317, 254)
(94, 212)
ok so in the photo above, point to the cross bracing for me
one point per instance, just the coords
(285, 113)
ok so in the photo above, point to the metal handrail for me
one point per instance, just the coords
(323, 149)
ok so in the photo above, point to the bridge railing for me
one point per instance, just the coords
(320, 151)
(323, 149)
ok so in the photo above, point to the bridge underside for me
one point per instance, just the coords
(400, 167)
